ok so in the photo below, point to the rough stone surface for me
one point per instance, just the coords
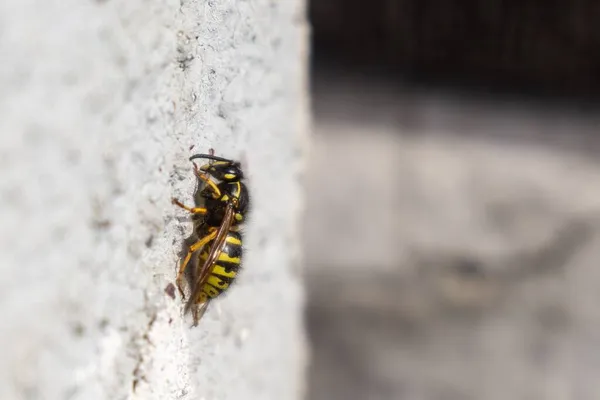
(101, 102)
(453, 247)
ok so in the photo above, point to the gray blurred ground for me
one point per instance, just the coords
(453, 247)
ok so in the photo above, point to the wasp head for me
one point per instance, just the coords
(221, 168)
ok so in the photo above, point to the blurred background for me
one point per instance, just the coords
(452, 231)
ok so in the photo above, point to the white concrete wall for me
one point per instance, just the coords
(100, 102)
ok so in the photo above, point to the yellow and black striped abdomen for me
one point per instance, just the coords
(225, 269)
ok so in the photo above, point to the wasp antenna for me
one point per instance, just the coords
(210, 157)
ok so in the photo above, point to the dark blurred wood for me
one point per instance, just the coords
(547, 44)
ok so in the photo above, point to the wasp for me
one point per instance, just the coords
(226, 204)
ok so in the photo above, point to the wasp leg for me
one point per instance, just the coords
(203, 177)
(192, 249)
(193, 210)
(199, 311)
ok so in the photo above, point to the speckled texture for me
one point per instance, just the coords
(100, 104)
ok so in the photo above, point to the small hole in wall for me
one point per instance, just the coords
(103, 324)
(149, 241)
(78, 329)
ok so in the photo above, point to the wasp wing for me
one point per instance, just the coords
(199, 312)
(215, 250)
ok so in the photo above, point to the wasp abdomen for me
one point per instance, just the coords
(225, 269)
